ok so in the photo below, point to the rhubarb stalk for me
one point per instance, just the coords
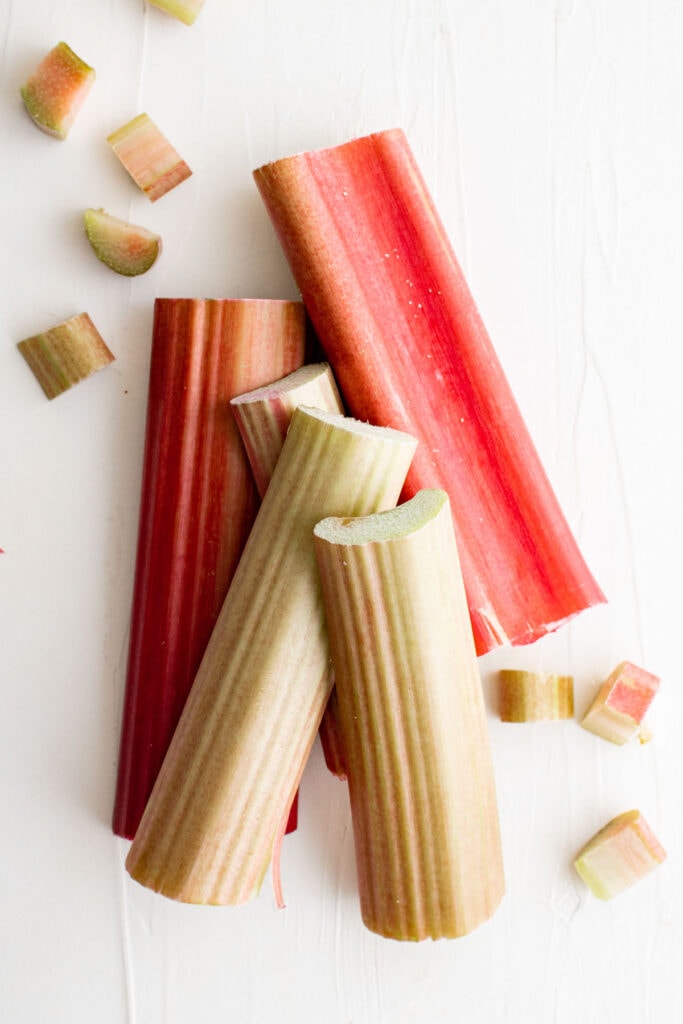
(417, 754)
(535, 696)
(215, 817)
(408, 348)
(620, 705)
(197, 506)
(65, 354)
(619, 855)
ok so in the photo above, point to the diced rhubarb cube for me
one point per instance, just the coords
(150, 159)
(55, 92)
(535, 696)
(621, 704)
(620, 854)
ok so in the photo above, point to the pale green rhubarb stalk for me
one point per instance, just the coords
(184, 10)
(263, 417)
(65, 354)
(416, 747)
(535, 696)
(197, 507)
(216, 815)
(618, 711)
(150, 159)
(408, 348)
(56, 90)
(619, 855)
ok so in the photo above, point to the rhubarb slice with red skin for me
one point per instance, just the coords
(150, 159)
(57, 89)
(214, 820)
(417, 754)
(535, 696)
(618, 711)
(198, 504)
(408, 348)
(184, 10)
(619, 855)
(65, 354)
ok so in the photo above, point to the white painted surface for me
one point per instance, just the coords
(551, 135)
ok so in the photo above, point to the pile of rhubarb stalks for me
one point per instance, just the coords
(341, 510)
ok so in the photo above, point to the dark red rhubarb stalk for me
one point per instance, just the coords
(198, 503)
(399, 326)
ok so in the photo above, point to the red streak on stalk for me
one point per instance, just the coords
(399, 326)
(197, 506)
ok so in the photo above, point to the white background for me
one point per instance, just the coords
(551, 135)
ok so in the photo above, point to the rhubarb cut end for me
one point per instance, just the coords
(391, 524)
(618, 711)
(56, 90)
(184, 10)
(128, 249)
(619, 855)
(65, 354)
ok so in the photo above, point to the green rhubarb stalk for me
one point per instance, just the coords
(150, 159)
(65, 354)
(535, 696)
(619, 855)
(216, 814)
(416, 748)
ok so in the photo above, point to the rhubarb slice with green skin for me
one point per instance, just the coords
(619, 855)
(150, 159)
(617, 714)
(214, 820)
(418, 761)
(399, 326)
(535, 696)
(57, 89)
(126, 248)
(197, 507)
(184, 10)
(65, 354)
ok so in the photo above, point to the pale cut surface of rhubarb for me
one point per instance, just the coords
(619, 855)
(184, 10)
(150, 159)
(197, 506)
(619, 708)
(65, 354)
(57, 89)
(416, 746)
(214, 820)
(408, 348)
(535, 696)
(128, 249)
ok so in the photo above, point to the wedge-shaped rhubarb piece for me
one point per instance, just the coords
(218, 809)
(408, 348)
(418, 761)
(620, 854)
(148, 156)
(126, 248)
(535, 696)
(184, 10)
(618, 711)
(198, 504)
(56, 90)
(65, 354)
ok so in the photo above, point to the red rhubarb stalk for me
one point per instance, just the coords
(396, 319)
(198, 503)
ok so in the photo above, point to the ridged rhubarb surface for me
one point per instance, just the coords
(398, 323)
(65, 354)
(198, 504)
(416, 747)
(213, 822)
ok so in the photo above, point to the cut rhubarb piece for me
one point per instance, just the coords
(184, 10)
(618, 711)
(398, 324)
(214, 820)
(418, 761)
(535, 696)
(198, 503)
(56, 90)
(620, 854)
(126, 248)
(148, 156)
(65, 354)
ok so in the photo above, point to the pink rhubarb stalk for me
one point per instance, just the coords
(150, 159)
(197, 506)
(408, 348)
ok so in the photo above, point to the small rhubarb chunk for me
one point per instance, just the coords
(55, 92)
(126, 248)
(535, 696)
(65, 354)
(620, 854)
(150, 159)
(618, 711)
(184, 10)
